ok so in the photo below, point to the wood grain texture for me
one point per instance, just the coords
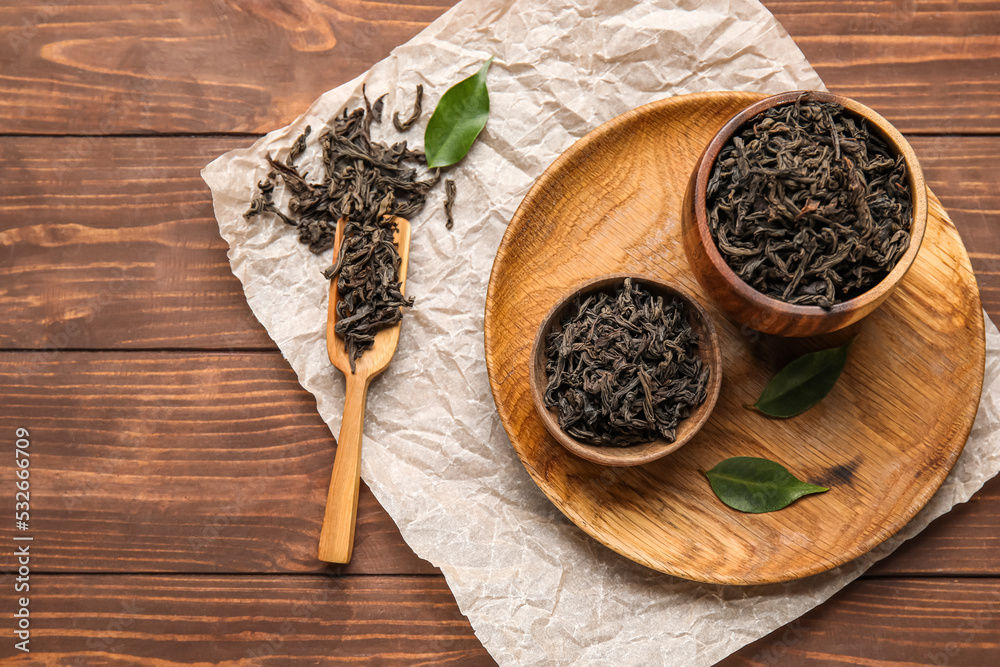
(927, 66)
(158, 462)
(903, 622)
(114, 244)
(198, 433)
(214, 66)
(188, 66)
(247, 621)
(388, 621)
(882, 440)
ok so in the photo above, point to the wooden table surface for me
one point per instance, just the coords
(178, 470)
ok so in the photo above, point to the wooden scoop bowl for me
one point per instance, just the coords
(336, 540)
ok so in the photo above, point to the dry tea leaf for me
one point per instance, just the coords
(755, 485)
(404, 125)
(366, 183)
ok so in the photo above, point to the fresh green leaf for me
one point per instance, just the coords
(458, 119)
(754, 485)
(803, 383)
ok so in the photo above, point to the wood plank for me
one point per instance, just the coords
(927, 66)
(963, 541)
(900, 622)
(958, 170)
(171, 462)
(241, 621)
(191, 65)
(196, 66)
(159, 462)
(387, 621)
(114, 243)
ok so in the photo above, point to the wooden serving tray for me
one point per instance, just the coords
(883, 440)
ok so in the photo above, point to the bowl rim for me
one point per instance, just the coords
(709, 348)
(918, 219)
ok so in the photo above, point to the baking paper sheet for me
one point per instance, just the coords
(537, 590)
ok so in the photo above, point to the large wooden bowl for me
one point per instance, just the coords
(883, 440)
(751, 308)
(644, 452)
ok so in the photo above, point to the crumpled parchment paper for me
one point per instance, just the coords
(536, 589)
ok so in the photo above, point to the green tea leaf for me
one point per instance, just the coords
(754, 485)
(458, 119)
(803, 383)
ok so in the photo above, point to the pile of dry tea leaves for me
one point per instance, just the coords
(623, 367)
(366, 183)
(807, 206)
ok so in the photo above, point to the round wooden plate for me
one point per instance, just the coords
(883, 440)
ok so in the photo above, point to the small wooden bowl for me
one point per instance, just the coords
(746, 305)
(633, 455)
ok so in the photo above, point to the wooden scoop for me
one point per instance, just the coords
(336, 541)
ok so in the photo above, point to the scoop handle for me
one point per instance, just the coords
(336, 541)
